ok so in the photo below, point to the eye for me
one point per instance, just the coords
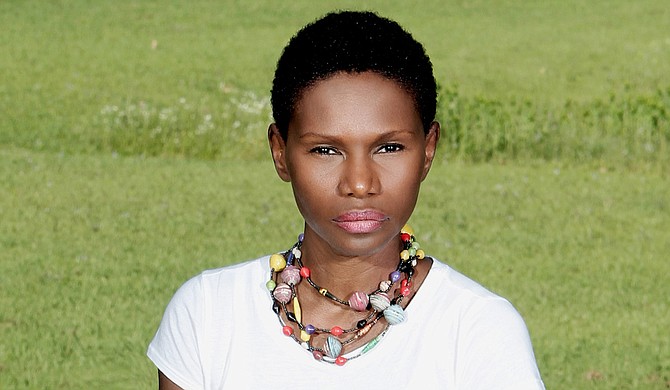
(324, 150)
(391, 148)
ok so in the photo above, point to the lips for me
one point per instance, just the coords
(360, 222)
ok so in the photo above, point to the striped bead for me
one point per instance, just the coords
(290, 275)
(358, 301)
(380, 301)
(333, 347)
(394, 314)
(282, 293)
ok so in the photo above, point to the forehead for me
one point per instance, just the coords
(355, 101)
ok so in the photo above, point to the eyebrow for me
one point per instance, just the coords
(385, 135)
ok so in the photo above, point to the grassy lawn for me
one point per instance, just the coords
(94, 246)
(132, 156)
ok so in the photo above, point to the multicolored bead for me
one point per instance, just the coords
(359, 301)
(394, 314)
(290, 275)
(380, 301)
(282, 293)
(332, 347)
(385, 285)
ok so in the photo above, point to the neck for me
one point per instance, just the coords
(344, 274)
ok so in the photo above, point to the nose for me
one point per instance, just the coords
(359, 178)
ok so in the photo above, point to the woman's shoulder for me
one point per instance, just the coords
(245, 269)
(460, 294)
(246, 275)
(443, 276)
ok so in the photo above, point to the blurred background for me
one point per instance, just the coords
(133, 155)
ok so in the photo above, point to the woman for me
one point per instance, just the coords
(355, 303)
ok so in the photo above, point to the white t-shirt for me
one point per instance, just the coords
(219, 332)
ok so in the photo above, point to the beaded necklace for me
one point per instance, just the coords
(378, 304)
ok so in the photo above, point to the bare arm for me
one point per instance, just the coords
(166, 384)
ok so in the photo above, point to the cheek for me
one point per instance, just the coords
(404, 175)
(311, 191)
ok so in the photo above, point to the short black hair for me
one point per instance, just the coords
(352, 42)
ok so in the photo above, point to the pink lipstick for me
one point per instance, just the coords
(360, 222)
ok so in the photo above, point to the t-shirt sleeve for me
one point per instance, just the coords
(176, 347)
(496, 352)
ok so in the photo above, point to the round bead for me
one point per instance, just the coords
(305, 272)
(412, 252)
(407, 229)
(358, 301)
(416, 245)
(287, 330)
(277, 262)
(282, 293)
(405, 291)
(385, 285)
(333, 347)
(297, 253)
(301, 237)
(270, 285)
(405, 237)
(336, 331)
(406, 282)
(340, 361)
(317, 355)
(380, 301)
(290, 275)
(420, 253)
(310, 329)
(395, 276)
(404, 254)
(394, 314)
(361, 324)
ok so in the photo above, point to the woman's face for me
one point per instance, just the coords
(355, 154)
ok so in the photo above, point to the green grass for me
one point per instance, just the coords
(94, 246)
(133, 155)
(555, 67)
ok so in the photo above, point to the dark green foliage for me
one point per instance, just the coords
(619, 130)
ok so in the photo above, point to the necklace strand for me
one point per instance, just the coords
(284, 276)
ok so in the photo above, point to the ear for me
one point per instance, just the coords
(432, 137)
(278, 150)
